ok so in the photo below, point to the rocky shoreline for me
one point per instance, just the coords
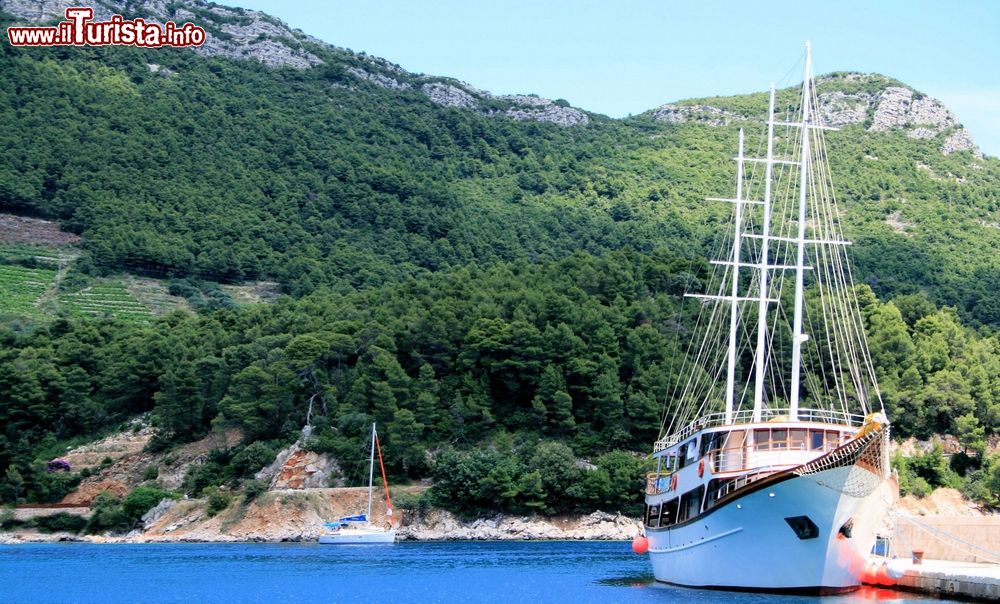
(184, 523)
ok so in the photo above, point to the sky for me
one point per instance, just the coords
(620, 57)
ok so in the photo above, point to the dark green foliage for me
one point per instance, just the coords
(252, 458)
(59, 523)
(922, 473)
(212, 472)
(218, 500)
(413, 502)
(143, 499)
(546, 478)
(107, 514)
(150, 473)
(252, 489)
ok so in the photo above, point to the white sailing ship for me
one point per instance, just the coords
(781, 481)
(358, 530)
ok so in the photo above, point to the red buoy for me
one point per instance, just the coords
(640, 545)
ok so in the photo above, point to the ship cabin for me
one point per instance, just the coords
(706, 464)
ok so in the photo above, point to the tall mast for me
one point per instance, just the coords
(797, 336)
(734, 298)
(371, 473)
(758, 387)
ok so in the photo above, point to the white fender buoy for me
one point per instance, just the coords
(896, 567)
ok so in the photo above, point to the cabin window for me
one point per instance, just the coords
(779, 439)
(668, 513)
(652, 515)
(717, 489)
(816, 440)
(711, 442)
(762, 438)
(688, 453)
(690, 504)
(832, 440)
(798, 439)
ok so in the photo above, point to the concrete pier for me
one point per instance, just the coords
(948, 579)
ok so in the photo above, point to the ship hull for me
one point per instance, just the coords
(747, 543)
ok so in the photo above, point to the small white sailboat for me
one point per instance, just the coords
(753, 490)
(358, 530)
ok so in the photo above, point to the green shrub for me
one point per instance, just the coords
(252, 489)
(412, 501)
(218, 500)
(150, 473)
(141, 500)
(8, 519)
(60, 523)
(252, 458)
(107, 514)
(214, 471)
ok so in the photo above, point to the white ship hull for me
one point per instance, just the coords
(747, 544)
(807, 529)
(359, 536)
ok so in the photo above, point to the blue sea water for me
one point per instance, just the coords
(500, 572)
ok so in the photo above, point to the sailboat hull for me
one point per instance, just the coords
(359, 537)
(747, 544)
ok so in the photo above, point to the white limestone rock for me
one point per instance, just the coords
(921, 133)
(897, 108)
(841, 109)
(447, 95)
(960, 140)
(698, 114)
(379, 79)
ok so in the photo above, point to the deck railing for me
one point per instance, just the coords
(745, 416)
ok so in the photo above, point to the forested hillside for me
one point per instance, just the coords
(496, 281)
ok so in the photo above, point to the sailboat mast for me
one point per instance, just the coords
(797, 336)
(758, 387)
(371, 473)
(734, 299)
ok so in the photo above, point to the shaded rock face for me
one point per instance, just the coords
(156, 512)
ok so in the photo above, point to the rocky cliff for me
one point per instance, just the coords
(241, 34)
(876, 102)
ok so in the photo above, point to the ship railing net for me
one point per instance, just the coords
(745, 416)
(865, 461)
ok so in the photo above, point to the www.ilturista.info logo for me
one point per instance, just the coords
(79, 29)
